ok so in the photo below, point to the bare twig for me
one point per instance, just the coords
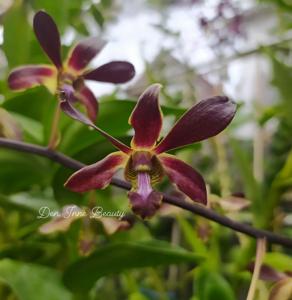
(192, 207)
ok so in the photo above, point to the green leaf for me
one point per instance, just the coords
(31, 103)
(97, 15)
(251, 186)
(17, 35)
(282, 80)
(191, 236)
(32, 129)
(279, 261)
(118, 257)
(27, 202)
(32, 282)
(213, 286)
(21, 171)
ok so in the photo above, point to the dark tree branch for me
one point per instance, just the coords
(194, 208)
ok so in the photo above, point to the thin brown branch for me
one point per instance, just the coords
(192, 207)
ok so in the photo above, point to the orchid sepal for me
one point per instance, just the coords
(98, 175)
(146, 119)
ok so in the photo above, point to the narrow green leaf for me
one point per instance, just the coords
(118, 257)
(32, 282)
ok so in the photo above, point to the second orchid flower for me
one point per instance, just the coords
(71, 74)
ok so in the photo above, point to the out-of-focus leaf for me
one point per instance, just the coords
(280, 183)
(97, 15)
(32, 282)
(191, 236)
(33, 130)
(270, 112)
(279, 261)
(285, 175)
(9, 128)
(118, 257)
(17, 35)
(20, 171)
(282, 290)
(212, 286)
(252, 188)
(27, 202)
(282, 80)
(31, 103)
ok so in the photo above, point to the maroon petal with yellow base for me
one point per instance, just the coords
(30, 76)
(113, 72)
(83, 53)
(203, 120)
(146, 118)
(98, 175)
(48, 36)
(189, 181)
(88, 99)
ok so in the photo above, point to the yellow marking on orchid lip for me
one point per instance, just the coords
(142, 168)
(138, 149)
(135, 150)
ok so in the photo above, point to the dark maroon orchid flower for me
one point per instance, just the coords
(73, 71)
(146, 162)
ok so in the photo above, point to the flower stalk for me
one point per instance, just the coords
(260, 253)
(54, 136)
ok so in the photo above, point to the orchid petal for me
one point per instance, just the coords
(48, 36)
(189, 181)
(203, 120)
(98, 175)
(146, 118)
(83, 53)
(63, 221)
(72, 112)
(29, 76)
(113, 72)
(87, 98)
(112, 225)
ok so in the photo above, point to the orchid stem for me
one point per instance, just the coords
(54, 130)
(260, 253)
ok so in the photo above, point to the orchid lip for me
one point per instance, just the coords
(144, 187)
(145, 201)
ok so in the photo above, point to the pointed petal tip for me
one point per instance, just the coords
(113, 72)
(186, 178)
(205, 119)
(48, 36)
(39, 14)
(146, 118)
(153, 89)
